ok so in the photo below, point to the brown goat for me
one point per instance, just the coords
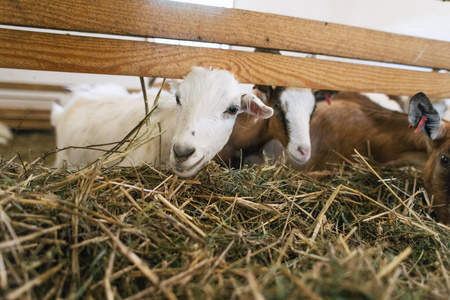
(355, 122)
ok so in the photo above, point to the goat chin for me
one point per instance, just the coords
(296, 161)
(190, 170)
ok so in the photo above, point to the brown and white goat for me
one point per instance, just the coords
(289, 125)
(354, 122)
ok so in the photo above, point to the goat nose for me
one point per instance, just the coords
(304, 151)
(182, 153)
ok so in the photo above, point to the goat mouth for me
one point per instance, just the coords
(298, 160)
(184, 171)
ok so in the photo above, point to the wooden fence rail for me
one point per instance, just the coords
(24, 49)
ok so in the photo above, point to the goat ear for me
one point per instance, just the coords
(262, 92)
(320, 95)
(420, 106)
(253, 105)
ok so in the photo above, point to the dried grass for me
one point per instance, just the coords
(358, 232)
(258, 233)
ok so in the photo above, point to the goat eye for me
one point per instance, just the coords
(444, 160)
(276, 105)
(178, 99)
(232, 110)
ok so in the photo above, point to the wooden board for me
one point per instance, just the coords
(54, 52)
(25, 119)
(33, 87)
(168, 19)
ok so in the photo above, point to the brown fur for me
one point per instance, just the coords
(250, 135)
(352, 120)
(437, 176)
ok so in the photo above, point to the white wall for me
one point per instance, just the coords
(424, 18)
(421, 18)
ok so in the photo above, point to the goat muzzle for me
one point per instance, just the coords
(181, 153)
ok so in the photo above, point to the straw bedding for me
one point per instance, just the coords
(267, 232)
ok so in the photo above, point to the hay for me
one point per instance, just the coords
(267, 232)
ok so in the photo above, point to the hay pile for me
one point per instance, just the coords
(256, 233)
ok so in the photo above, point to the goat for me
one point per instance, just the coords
(354, 122)
(289, 125)
(195, 122)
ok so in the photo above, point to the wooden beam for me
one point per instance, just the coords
(25, 119)
(28, 124)
(38, 87)
(168, 19)
(24, 113)
(33, 87)
(55, 52)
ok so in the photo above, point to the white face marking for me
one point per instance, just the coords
(298, 105)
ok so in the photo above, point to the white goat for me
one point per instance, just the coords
(195, 123)
(5, 134)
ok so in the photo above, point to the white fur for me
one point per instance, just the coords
(384, 101)
(106, 113)
(298, 105)
(5, 134)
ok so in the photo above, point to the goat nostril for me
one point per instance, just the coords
(189, 152)
(303, 151)
(182, 153)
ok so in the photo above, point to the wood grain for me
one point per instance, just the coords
(54, 52)
(25, 119)
(158, 18)
(33, 87)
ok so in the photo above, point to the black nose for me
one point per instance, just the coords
(182, 153)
